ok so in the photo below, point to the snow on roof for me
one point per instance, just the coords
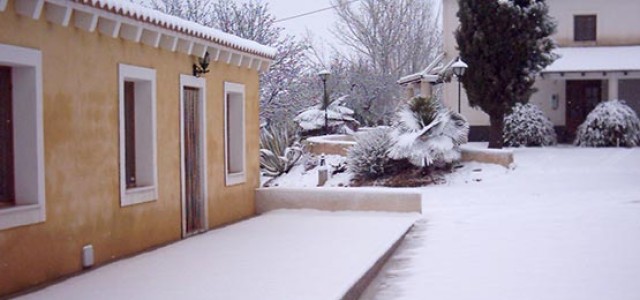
(425, 74)
(144, 14)
(596, 59)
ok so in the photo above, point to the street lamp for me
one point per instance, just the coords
(459, 67)
(324, 75)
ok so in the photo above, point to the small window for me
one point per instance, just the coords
(585, 28)
(234, 133)
(138, 168)
(22, 196)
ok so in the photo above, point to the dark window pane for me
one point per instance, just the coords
(130, 133)
(585, 28)
(7, 175)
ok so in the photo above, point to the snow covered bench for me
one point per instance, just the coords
(503, 157)
(337, 144)
(337, 199)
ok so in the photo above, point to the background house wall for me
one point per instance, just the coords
(617, 25)
(80, 87)
(476, 117)
(617, 21)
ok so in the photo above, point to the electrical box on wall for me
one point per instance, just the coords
(87, 256)
(555, 102)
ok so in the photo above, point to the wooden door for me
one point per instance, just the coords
(193, 170)
(582, 98)
(7, 179)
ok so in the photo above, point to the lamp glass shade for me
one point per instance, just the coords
(324, 74)
(459, 67)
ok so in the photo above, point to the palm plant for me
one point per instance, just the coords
(427, 133)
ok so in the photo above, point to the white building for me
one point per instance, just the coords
(599, 44)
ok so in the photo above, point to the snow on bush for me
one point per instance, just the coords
(279, 151)
(427, 133)
(340, 118)
(528, 126)
(611, 124)
(369, 157)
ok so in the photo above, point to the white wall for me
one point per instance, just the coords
(547, 88)
(618, 21)
(475, 117)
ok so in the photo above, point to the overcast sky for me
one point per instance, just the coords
(318, 24)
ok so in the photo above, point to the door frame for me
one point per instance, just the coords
(200, 84)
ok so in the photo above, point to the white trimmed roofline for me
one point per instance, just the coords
(115, 15)
(427, 74)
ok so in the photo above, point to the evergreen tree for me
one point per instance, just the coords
(506, 43)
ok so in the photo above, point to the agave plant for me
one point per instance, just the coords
(279, 150)
(427, 133)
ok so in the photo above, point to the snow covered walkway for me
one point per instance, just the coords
(286, 254)
(564, 224)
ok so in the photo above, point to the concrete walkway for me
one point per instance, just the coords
(286, 254)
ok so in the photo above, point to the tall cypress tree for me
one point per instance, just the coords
(506, 43)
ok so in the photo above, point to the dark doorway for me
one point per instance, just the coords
(194, 208)
(7, 176)
(582, 98)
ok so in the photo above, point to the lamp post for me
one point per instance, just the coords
(459, 67)
(324, 75)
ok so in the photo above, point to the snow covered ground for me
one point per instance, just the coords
(288, 254)
(564, 224)
(299, 177)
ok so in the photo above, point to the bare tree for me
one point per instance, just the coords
(252, 20)
(389, 39)
(198, 11)
(398, 37)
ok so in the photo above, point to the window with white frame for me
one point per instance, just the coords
(138, 167)
(234, 133)
(22, 196)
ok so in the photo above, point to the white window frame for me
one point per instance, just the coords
(26, 69)
(239, 177)
(200, 84)
(146, 193)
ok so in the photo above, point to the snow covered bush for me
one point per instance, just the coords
(528, 126)
(427, 133)
(611, 124)
(279, 151)
(369, 157)
(340, 119)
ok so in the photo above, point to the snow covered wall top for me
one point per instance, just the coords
(144, 14)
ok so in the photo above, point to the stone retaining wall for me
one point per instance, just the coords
(338, 199)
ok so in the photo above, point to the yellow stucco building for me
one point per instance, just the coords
(110, 144)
